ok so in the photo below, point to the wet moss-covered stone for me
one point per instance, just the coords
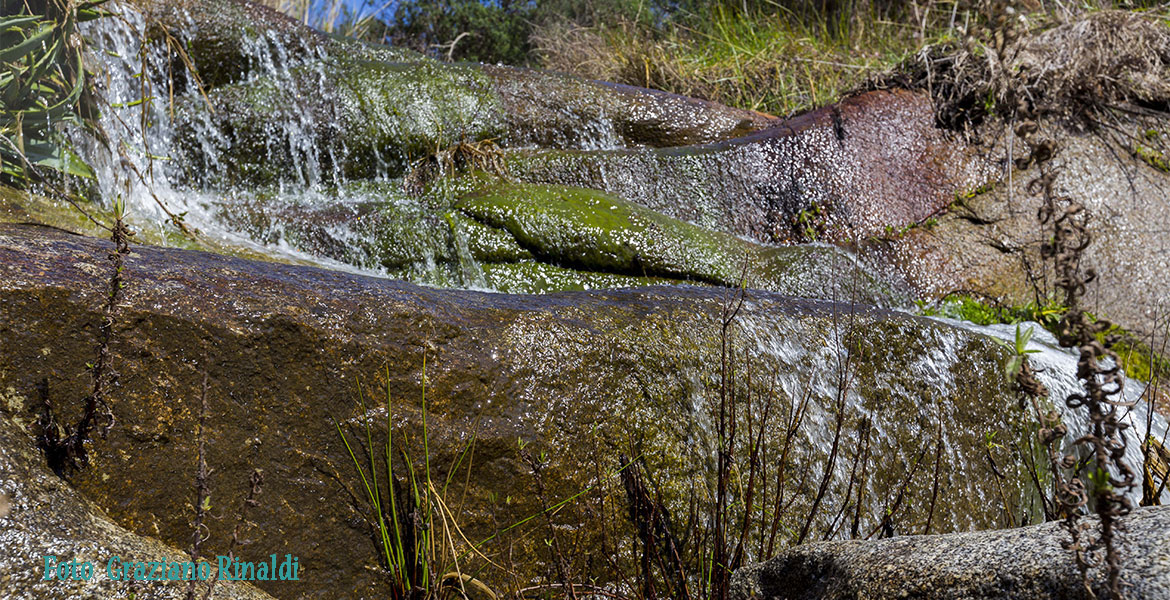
(346, 119)
(488, 244)
(486, 233)
(22, 206)
(232, 40)
(597, 232)
(371, 226)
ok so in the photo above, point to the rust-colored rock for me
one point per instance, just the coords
(840, 173)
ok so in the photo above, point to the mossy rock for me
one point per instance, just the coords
(372, 226)
(341, 120)
(22, 206)
(532, 277)
(488, 244)
(592, 231)
(229, 41)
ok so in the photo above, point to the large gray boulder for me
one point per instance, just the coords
(1028, 563)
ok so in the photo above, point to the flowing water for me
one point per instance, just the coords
(316, 212)
(145, 163)
(1056, 368)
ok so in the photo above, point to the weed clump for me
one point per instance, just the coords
(417, 536)
(1011, 66)
(66, 447)
(483, 156)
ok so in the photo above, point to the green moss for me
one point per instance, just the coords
(982, 312)
(962, 196)
(362, 119)
(488, 244)
(17, 206)
(594, 231)
(1137, 358)
(417, 108)
(1155, 158)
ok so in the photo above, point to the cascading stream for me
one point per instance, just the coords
(307, 155)
(1056, 368)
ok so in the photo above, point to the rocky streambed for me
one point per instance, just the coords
(547, 294)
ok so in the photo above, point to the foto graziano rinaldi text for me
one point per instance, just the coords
(226, 568)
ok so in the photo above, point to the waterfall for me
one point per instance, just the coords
(165, 174)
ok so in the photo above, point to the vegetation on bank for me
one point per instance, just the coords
(754, 54)
(774, 57)
(1138, 359)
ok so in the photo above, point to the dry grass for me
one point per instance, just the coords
(1114, 56)
(771, 62)
(1067, 67)
(335, 17)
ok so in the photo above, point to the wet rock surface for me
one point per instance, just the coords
(837, 174)
(42, 515)
(371, 109)
(572, 113)
(1027, 563)
(585, 376)
(307, 112)
(867, 172)
(596, 232)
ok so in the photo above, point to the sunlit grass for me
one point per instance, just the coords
(774, 62)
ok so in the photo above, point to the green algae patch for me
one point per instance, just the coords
(1153, 157)
(18, 206)
(594, 231)
(417, 107)
(591, 231)
(488, 244)
(1138, 359)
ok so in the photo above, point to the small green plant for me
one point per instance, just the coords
(415, 531)
(809, 222)
(1151, 156)
(988, 311)
(404, 546)
(1019, 349)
